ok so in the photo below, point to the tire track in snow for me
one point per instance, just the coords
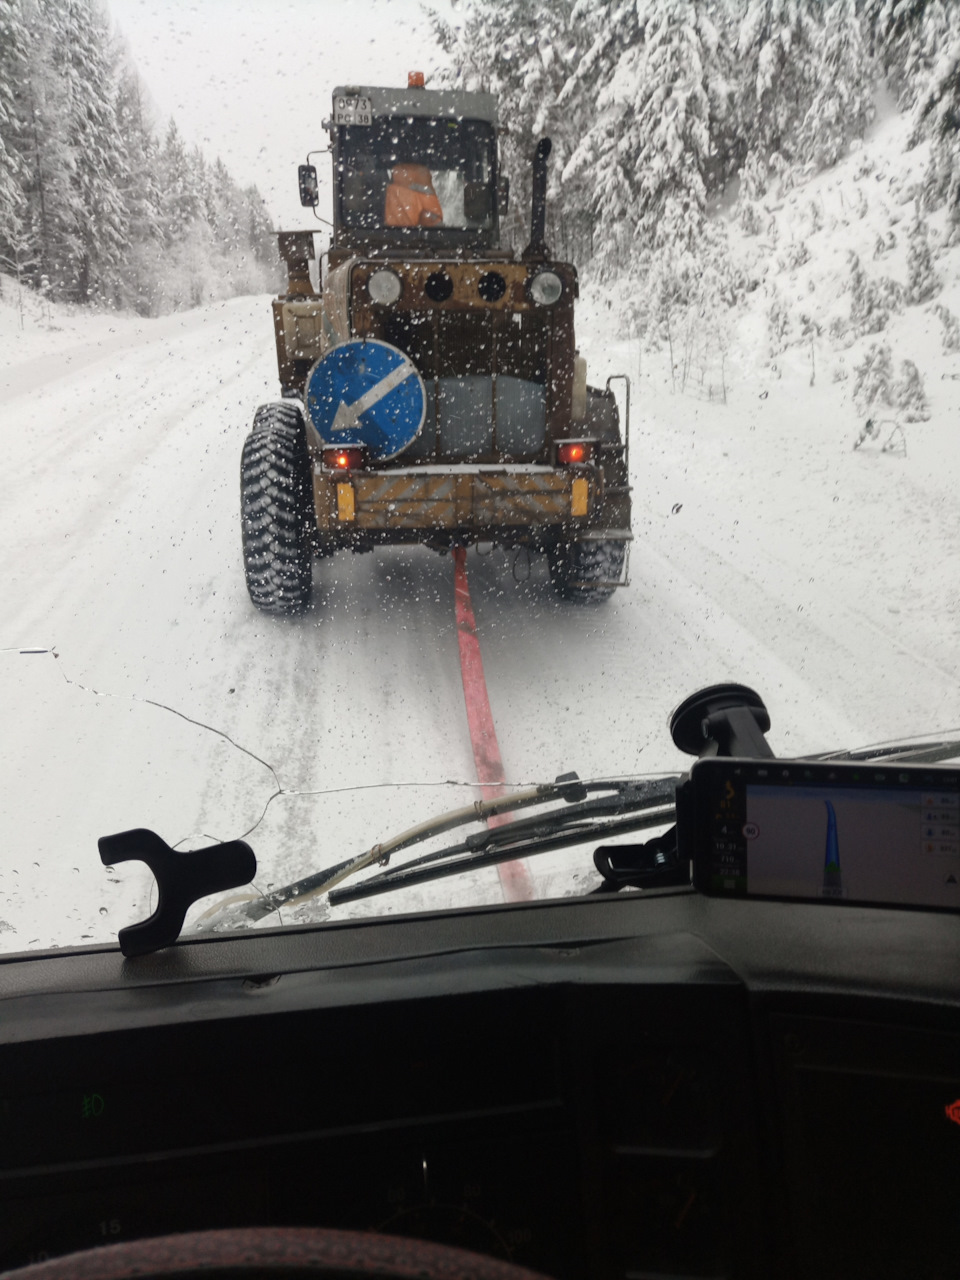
(31, 377)
(121, 437)
(821, 643)
(109, 517)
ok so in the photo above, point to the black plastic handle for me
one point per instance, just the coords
(182, 878)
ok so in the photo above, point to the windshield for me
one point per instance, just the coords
(766, 246)
(417, 172)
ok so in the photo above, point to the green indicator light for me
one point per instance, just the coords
(92, 1106)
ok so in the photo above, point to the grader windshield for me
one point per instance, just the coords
(417, 172)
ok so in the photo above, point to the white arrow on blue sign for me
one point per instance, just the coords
(366, 392)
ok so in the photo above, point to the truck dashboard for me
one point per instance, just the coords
(641, 1085)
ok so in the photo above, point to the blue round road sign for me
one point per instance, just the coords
(369, 393)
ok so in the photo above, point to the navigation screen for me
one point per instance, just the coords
(791, 830)
(866, 845)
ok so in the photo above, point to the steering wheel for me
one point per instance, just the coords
(275, 1253)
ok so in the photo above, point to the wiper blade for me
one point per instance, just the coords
(543, 838)
(627, 795)
(908, 752)
(405, 877)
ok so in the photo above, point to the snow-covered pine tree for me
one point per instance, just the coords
(181, 202)
(860, 301)
(228, 210)
(141, 192)
(82, 59)
(908, 37)
(137, 279)
(753, 186)
(13, 63)
(225, 207)
(201, 180)
(672, 125)
(729, 149)
(259, 230)
(779, 323)
(649, 151)
(241, 226)
(922, 282)
(54, 214)
(909, 395)
(779, 46)
(951, 327)
(842, 101)
(935, 23)
(873, 381)
(872, 302)
(938, 110)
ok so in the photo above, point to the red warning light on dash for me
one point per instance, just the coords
(952, 1110)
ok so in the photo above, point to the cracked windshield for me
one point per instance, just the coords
(404, 406)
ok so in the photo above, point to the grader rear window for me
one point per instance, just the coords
(423, 172)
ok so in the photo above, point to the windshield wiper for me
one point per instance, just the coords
(529, 836)
(580, 816)
(585, 820)
(908, 752)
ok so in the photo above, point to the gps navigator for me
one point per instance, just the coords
(819, 831)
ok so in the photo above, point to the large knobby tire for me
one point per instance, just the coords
(276, 509)
(586, 571)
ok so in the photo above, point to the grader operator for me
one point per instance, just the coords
(432, 390)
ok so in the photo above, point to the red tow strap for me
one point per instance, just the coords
(515, 879)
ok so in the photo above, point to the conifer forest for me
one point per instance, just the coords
(661, 112)
(97, 206)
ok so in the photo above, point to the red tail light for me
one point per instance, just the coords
(573, 451)
(347, 459)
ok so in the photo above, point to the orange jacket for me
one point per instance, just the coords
(411, 199)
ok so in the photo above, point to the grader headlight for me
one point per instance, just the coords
(545, 288)
(384, 287)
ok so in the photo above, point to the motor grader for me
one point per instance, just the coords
(432, 389)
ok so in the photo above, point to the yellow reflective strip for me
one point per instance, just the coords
(578, 498)
(346, 506)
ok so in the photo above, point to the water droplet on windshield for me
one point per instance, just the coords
(103, 911)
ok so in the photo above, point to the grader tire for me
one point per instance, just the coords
(276, 506)
(586, 571)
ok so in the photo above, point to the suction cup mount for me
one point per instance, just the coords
(722, 720)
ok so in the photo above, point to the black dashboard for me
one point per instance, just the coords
(640, 1086)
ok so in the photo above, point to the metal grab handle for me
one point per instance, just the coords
(622, 377)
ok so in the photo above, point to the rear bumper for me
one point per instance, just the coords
(478, 502)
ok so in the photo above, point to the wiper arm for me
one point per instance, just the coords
(627, 796)
(653, 804)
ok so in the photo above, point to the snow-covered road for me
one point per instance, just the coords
(766, 552)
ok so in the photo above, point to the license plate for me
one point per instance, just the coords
(352, 111)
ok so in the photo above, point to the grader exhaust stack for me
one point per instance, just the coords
(538, 214)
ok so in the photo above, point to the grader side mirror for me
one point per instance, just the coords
(309, 186)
